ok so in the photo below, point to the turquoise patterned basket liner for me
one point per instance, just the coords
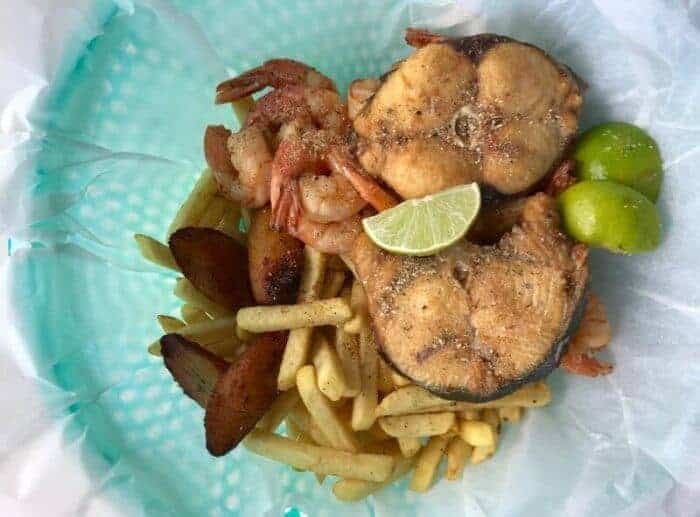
(120, 147)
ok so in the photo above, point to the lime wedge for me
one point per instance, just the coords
(427, 225)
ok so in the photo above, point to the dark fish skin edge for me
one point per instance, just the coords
(539, 372)
(474, 47)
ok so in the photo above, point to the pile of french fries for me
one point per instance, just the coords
(346, 412)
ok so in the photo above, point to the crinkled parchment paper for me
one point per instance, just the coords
(102, 110)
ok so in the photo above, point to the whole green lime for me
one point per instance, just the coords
(620, 152)
(610, 215)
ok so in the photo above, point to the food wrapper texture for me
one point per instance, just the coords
(103, 106)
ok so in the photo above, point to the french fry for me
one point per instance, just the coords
(510, 414)
(329, 370)
(427, 463)
(299, 340)
(399, 380)
(295, 433)
(365, 403)
(271, 318)
(229, 224)
(154, 349)
(355, 489)
(417, 426)
(335, 263)
(242, 107)
(278, 411)
(414, 399)
(355, 324)
(477, 434)
(490, 416)
(214, 212)
(323, 460)
(470, 414)
(210, 331)
(321, 411)
(170, 323)
(409, 446)
(458, 452)
(314, 273)
(243, 334)
(389, 447)
(333, 284)
(300, 436)
(192, 314)
(371, 435)
(155, 251)
(358, 304)
(384, 382)
(301, 417)
(295, 354)
(229, 349)
(192, 209)
(482, 453)
(347, 347)
(189, 294)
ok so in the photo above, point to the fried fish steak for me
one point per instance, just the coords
(482, 108)
(476, 322)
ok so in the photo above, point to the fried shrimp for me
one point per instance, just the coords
(240, 163)
(313, 153)
(275, 73)
(332, 238)
(330, 198)
(594, 333)
(313, 172)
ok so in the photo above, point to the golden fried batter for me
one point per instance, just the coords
(482, 108)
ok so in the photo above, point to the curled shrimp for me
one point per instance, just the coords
(593, 333)
(251, 156)
(321, 106)
(333, 238)
(328, 198)
(312, 153)
(275, 73)
(299, 91)
(312, 125)
(420, 37)
(241, 164)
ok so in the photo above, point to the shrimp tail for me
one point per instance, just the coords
(216, 152)
(584, 364)
(593, 333)
(275, 73)
(342, 162)
(420, 37)
(287, 211)
(278, 219)
(238, 87)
